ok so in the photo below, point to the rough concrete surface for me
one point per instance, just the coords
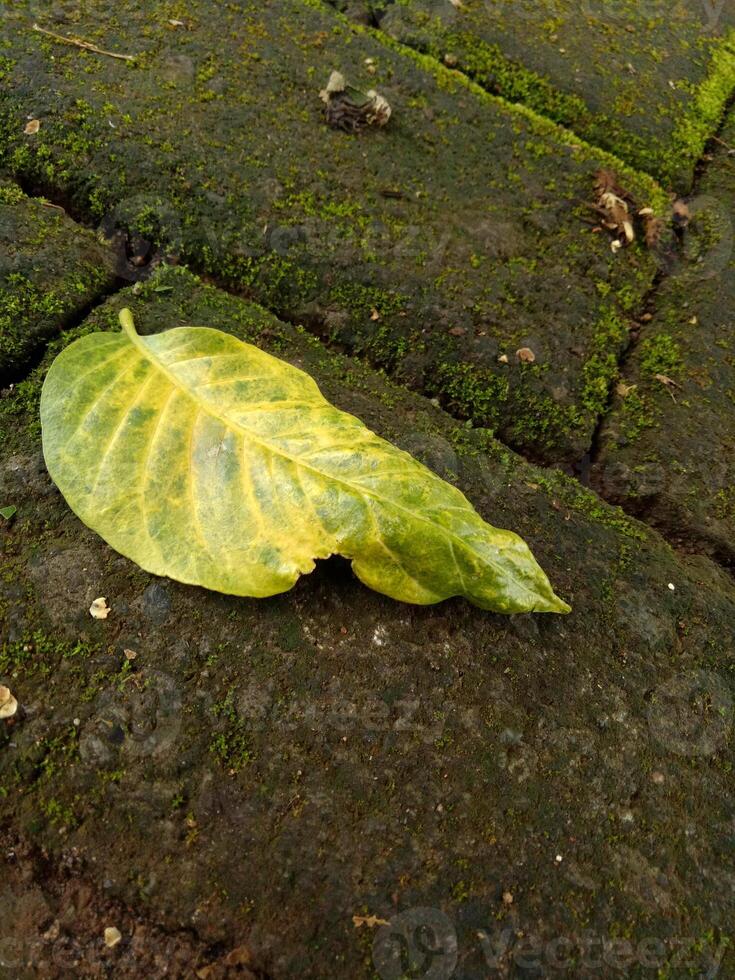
(458, 234)
(667, 448)
(50, 270)
(262, 771)
(330, 784)
(648, 81)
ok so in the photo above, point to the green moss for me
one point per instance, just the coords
(22, 305)
(543, 121)
(230, 745)
(488, 66)
(601, 365)
(278, 283)
(724, 501)
(637, 415)
(40, 655)
(661, 355)
(471, 392)
(701, 119)
(539, 423)
(11, 194)
(59, 147)
(31, 311)
(6, 67)
(361, 300)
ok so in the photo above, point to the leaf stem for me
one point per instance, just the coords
(127, 323)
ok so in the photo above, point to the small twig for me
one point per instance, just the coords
(77, 43)
(722, 143)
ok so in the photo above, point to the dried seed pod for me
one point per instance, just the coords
(334, 86)
(349, 109)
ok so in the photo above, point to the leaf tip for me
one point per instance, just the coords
(560, 606)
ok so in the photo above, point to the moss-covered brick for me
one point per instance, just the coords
(458, 233)
(51, 269)
(648, 81)
(667, 450)
(262, 770)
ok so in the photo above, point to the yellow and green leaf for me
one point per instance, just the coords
(207, 460)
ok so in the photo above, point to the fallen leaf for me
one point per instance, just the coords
(32, 127)
(371, 921)
(8, 512)
(177, 23)
(606, 182)
(526, 355)
(99, 608)
(375, 315)
(112, 936)
(8, 704)
(503, 359)
(130, 654)
(416, 517)
(507, 898)
(458, 331)
(614, 203)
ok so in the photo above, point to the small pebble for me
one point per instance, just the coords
(99, 608)
(8, 704)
